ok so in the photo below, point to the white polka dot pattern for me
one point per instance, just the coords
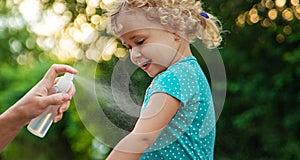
(191, 132)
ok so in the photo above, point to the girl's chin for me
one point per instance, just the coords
(153, 70)
(152, 74)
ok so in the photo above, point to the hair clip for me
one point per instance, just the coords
(205, 15)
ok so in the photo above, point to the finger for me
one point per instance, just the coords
(64, 107)
(72, 90)
(54, 71)
(56, 99)
(57, 118)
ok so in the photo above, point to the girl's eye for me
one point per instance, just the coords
(140, 42)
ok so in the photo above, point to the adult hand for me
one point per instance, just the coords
(36, 101)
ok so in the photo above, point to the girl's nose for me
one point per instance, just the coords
(135, 56)
(134, 53)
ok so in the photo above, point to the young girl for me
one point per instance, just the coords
(177, 119)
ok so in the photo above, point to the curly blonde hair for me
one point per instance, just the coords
(185, 16)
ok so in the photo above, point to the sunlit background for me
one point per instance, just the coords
(269, 12)
(58, 31)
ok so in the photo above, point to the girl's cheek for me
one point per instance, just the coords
(131, 58)
(159, 54)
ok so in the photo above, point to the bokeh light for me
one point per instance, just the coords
(108, 4)
(269, 4)
(64, 34)
(240, 21)
(59, 8)
(280, 3)
(271, 12)
(287, 30)
(120, 52)
(287, 14)
(280, 38)
(266, 22)
(297, 11)
(295, 2)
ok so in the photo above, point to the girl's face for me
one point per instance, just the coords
(153, 50)
(152, 47)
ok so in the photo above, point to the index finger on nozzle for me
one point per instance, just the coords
(55, 70)
(62, 68)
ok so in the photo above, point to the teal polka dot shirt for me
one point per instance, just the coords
(191, 132)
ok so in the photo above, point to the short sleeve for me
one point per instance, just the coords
(176, 83)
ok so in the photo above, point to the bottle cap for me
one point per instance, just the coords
(64, 82)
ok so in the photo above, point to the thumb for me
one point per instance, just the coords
(56, 99)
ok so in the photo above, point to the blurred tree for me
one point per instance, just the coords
(261, 55)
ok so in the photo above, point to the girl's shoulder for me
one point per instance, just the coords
(187, 67)
(180, 75)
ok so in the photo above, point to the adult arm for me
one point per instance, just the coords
(159, 112)
(35, 103)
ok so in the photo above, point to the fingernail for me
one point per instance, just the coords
(75, 70)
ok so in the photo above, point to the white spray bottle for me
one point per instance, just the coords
(40, 125)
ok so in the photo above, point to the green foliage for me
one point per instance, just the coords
(259, 118)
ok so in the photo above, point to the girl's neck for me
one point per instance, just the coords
(183, 51)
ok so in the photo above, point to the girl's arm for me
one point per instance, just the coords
(159, 112)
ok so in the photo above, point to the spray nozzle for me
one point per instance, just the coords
(64, 82)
